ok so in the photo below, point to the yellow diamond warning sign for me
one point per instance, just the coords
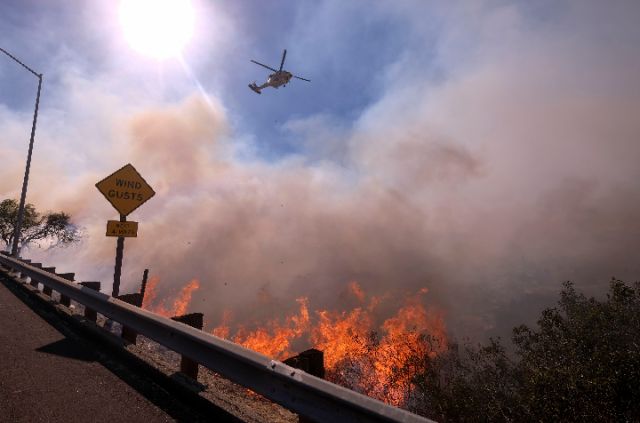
(125, 189)
(124, 229)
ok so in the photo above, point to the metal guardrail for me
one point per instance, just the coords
(300, 392)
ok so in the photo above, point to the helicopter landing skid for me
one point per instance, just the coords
(255, 88)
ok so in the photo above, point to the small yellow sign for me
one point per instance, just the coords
(125, 189)
(124, 229)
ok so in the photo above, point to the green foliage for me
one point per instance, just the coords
(469, 383)
(581, 363)
(51, 228)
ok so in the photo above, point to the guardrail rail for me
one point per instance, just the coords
(308, 396)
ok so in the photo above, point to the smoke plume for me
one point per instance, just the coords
(490, 186)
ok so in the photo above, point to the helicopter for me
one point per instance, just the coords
(278, 78)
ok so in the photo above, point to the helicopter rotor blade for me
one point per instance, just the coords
(284, 54)
(304, 79)
(264, 66)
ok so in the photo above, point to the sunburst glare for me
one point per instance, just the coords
(157, 28)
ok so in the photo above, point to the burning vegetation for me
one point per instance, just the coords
(374, 356)
(581, 362)
(180, 304)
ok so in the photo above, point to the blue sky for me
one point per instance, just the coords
(345, 52)
(473, 147)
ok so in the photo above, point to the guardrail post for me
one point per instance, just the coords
(91, 314)
(143, 286)
(18, 275)
(64, 300)
(34, 283)
(26, 261)
(45, 289)
(311, 361)
(129, 334)
(188, 366)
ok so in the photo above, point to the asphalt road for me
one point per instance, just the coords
(49, 374)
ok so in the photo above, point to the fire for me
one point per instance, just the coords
(150, 291)
(410, 335)
(180, 304)
(223, 330)
(273, 340)
(341, 335)
(184, 298)
(379, 363)
(361, 352)
(356, 291)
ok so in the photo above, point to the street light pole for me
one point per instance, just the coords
(25, 181)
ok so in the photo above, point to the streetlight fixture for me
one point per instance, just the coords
(25, 181)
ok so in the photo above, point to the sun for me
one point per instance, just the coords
(157, 28)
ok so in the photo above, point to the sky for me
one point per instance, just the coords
(485, 150)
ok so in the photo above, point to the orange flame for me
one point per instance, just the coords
(274, 340)
(356, 291)
(150, 293)
(379, 363)
(340, 335)
(401, 349)
(377, 360)
(223, 330)
(180, 304)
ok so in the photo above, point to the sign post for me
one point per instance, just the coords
(126, 190)
(118, 269)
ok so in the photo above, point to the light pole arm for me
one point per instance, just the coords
(39, 75)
